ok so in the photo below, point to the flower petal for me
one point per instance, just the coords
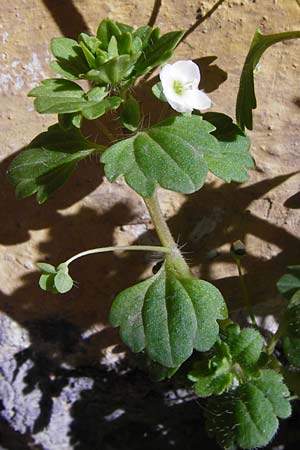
(165, 75)
(196, 99)
(187, 71)
(179, 106)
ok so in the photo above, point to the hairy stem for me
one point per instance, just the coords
(165, 236)
(150, 248)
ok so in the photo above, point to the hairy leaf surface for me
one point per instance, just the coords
(169, 316)
(232, 159)
(48, 162)
(169, 154)
(211, 374)
(247, 417)
(245, 345)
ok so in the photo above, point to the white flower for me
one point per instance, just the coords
(180, 86)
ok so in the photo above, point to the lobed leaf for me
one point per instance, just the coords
(55, 279)
(212, 374)
(231, 159)
(70, 59)
(170, 154)
(48, 162)
(247, 417)
(246, 100)
(168, 316)
(57, 96)
(245, 345)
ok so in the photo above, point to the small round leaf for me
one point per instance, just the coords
(63, 282)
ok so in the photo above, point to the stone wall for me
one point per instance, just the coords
(90, 212)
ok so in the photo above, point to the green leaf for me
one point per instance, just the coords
(130, 116)
(247, 416)
(113, 71)
(91, 42)
(89, 45)
(246, 100)
(48, 162)
(245, 345)
(58, 96)
(157, 51)
(112, 48)
(291, 338)
(158, 92)
(71, 61)
(68, 121)
(289, 282)
(143, 33)
(124, 28)
(168, 316)
(100, 108)
(169, 154)
(106, 30)
(46, 283)
(211, 374)
(46, 268)
(232, 159)
(63, 282)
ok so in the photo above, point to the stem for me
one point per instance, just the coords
(275, 338)
(150, 248)
(245, 292)
(166, 237)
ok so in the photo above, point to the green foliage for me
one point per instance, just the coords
(158, 50)
(291, 338)
(48, 162)
(168, 316)
(247, 416)
(178, 152)
(158, 92)
(232, 159)
(234, 358)
(245, 345)
(246, 100)
(114, 58)
(57, 96)
(212, 374)
(55, 280)
(130, 116)
(289, 283)
(70, 59)
(169, 154)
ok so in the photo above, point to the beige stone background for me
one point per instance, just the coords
(90, 212)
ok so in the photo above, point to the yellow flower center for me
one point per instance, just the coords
(178, 87)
